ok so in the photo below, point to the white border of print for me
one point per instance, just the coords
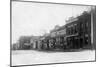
(5, 33)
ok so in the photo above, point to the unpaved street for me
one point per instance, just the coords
(27, 57)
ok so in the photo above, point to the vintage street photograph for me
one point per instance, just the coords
(52, 33)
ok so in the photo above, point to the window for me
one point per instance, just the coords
(75, 29)
(81, 27)
(86, 24)
(86, 27)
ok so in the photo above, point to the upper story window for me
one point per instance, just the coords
(87, 24)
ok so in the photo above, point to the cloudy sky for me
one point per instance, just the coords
(39, 18)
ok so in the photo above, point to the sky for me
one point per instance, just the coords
(35, 19)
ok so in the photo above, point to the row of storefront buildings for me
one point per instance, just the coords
(77, 33)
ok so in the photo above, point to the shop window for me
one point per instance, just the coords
(86, 40)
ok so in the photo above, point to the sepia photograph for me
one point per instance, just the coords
(52, 33)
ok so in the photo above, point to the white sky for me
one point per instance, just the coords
(38, 18)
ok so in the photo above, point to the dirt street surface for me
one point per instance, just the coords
(27, 57)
